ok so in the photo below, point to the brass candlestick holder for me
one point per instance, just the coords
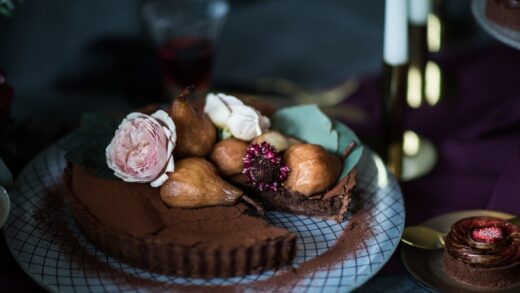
(425, 86)
(426, 82)
(407, 154)
(394, 97)
(410, 79)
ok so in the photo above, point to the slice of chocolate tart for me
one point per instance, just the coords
(332, 204)
(130, 222)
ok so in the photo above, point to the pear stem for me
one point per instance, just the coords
(258, 207)
(186, 92)
(348, 150)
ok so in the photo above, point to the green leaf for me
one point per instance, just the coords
(346, 136)
(86, 146)
(310, 125)
(224, 134)
(307, 123)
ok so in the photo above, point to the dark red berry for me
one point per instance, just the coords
(489, 234)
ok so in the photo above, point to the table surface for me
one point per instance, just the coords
(475, 127)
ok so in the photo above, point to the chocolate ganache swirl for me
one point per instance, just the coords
(484, 242)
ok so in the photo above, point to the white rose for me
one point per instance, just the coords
(229, 113)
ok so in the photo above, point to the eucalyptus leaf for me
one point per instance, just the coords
(86, 146)
(224, 134)
(307, 123)
(310, 125)
(346, 136)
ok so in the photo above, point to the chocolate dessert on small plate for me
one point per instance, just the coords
(480, 253)
(483, 252)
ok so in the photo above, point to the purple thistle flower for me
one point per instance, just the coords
(264, 168)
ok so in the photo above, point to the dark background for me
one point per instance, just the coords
(85, 55)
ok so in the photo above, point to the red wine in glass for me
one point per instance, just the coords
(187, 61)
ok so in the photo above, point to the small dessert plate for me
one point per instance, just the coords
(4, 206)
(426, 265)
(501, 33)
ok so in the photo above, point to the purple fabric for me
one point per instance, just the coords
(476, 130)
(506, 196)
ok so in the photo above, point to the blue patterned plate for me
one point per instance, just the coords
(58, 269)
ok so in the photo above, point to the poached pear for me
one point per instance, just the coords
(274, 138)
(196, 134)
(313, 169)
(227, 156)
(195, 184)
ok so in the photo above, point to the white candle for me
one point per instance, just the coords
(396, 32)
(418, 11)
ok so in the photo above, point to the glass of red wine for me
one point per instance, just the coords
(185, 33)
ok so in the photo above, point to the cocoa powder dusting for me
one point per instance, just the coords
(350, 241)
(54, 216)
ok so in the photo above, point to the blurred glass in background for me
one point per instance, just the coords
(184, 33)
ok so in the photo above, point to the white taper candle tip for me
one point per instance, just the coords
(396, 32)
(418, 11)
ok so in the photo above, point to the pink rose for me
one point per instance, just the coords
(141, 150)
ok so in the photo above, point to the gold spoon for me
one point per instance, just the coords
(429, 238)
(328, 100)
(299, 95)
(423, 237)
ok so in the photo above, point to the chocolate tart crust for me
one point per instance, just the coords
(159, 245)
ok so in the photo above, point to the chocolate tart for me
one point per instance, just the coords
(504, 12)
(131, 223)
(491, 261)
(330, 205)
